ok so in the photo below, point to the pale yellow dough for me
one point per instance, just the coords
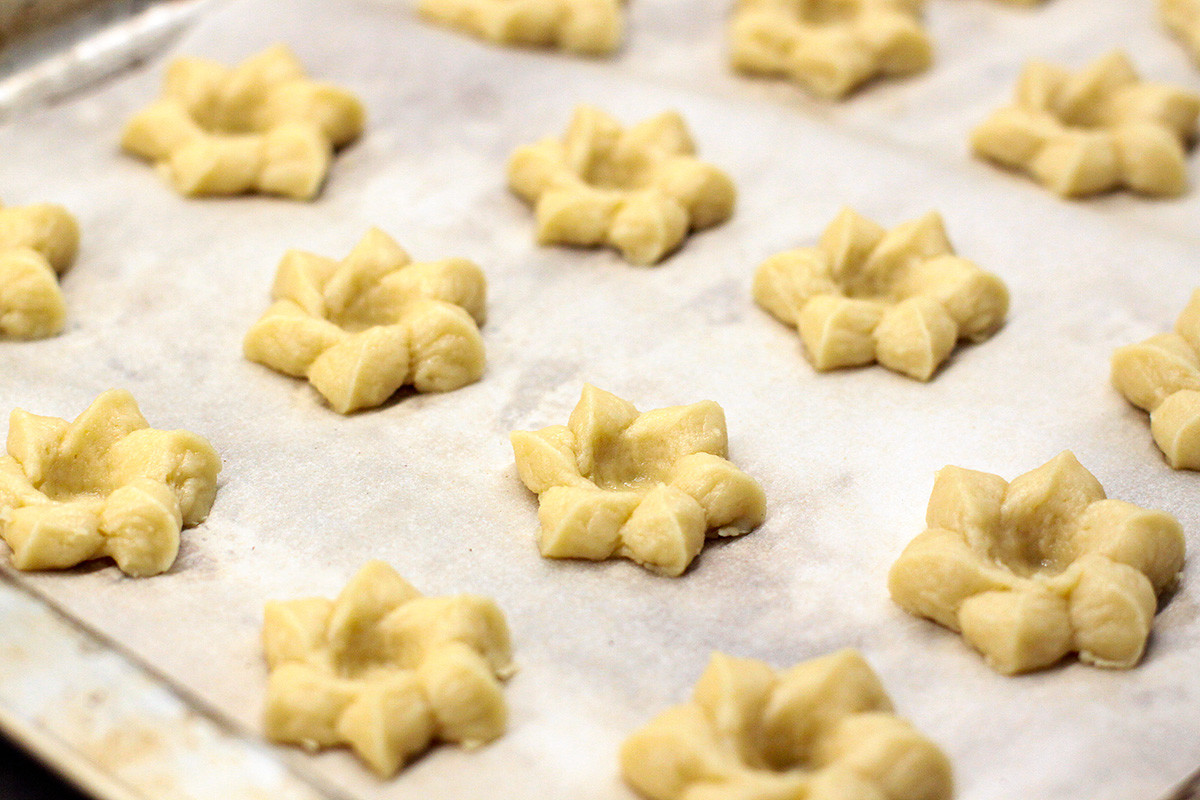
(361, 328)
(649, 487)
(640, 190)
(1092, 131)
(105, 485)
(865, 294)
(385, 670)
(1182, 18)
(262, 126)
(829, 46)
(588, 27)
(37, 243)
(1162, 375)
(1032, 570)
(822, 730)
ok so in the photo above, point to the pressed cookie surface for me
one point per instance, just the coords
(263, 126)
(106, 485)
(1091, 131)
(385, 670)
(1031, 570)
(900, 297)
(639, 189)
(1182, 18)
(831, 47)
(823, 729)
(586, 27)
(1162, 376)
(361, 328)
(647, 486)
(37, 243)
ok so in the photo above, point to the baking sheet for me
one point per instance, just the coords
(165, 288)
(114, 728)
(43, 65)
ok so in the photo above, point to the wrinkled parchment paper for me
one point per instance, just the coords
(164, 289)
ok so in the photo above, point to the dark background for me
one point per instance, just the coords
(24, 778)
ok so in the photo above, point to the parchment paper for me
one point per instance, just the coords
(164, 289)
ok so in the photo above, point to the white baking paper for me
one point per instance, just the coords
(165, 288)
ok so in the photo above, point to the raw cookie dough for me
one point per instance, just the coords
(830, 46)
(262, 126)
(588, 27)
(822, 730)
(1032, 570)
(1162, 375)
(1094, 130)
(105, 485)
(37, 243)
(649, 487)
(361, 328)
(384, 670)
(865, 294)
(1182, 18)
(639, 190)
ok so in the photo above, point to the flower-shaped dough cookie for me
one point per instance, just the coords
(588, 27)
(1032, 570)
(649, 487)
(385, 670)
(830, 46)
(639, 190)
(822, 730)
(105, 485)
(1092, 131)
(1182, 18)
(361, 328)
(262, 126)
(864, 294)
(36, 244)
(1162, 376)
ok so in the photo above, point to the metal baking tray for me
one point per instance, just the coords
(152, 688)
